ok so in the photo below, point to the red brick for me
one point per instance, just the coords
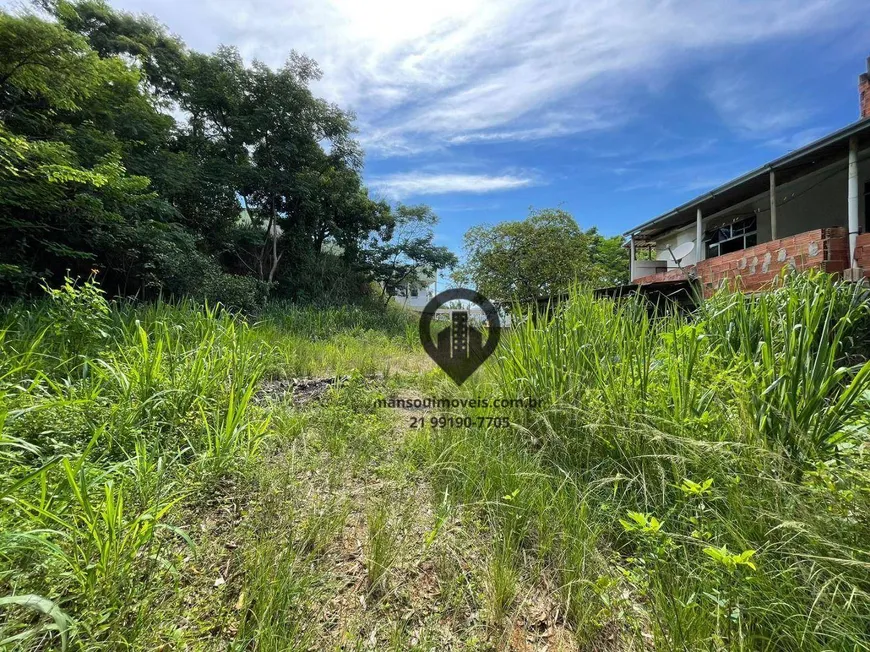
(832, 256)
(864, 93)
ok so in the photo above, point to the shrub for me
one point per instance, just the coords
(79, 315)
(237, 292)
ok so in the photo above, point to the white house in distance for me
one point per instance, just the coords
(415, 296)
(807, 209)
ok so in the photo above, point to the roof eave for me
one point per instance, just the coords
(846, 132)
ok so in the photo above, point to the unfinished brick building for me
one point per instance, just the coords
(807, 209)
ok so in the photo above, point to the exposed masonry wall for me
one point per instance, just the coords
(864, 92)
(813, 201)
(862, 253)
(757, 267)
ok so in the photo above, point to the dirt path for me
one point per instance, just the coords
(342, 542)
(409, 569)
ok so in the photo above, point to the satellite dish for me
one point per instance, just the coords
(681, 251)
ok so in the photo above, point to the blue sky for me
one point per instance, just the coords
(613, 110)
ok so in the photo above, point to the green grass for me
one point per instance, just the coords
(698, 483)
(382, 546)
(122, 426)
(688, 482)
(311, 342)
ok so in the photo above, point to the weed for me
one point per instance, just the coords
(500, 585)
(120, 422)
(687, 482)
(383, 541)
(662, 444)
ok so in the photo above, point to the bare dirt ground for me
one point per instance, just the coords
(434, 592)
(374, 557)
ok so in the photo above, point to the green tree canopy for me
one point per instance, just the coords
(64, 187)
(173, 170)
(539, 257)
(403, 252)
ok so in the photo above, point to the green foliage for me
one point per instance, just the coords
(539, 257)
(80, 315)
(230, 436)
(61, 623)
(258, 191)
(403, 255)
(43, 59)
(696, 478)
(798, 340)
(105, 474)
(643, 523)
(175, 495)
(501, 584)
(731, 561)
(65, 183)
(691, 488)
(382, 549)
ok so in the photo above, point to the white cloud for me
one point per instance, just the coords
(407, 184)
(798, 139)
(547, 127)
(751, 109)
(435, 73)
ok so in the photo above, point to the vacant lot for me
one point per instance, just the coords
(174, 477)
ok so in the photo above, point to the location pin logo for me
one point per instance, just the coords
(460, 349)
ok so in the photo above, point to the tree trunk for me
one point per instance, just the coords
(264, 248)
(273, 222)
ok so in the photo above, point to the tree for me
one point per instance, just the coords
(259, 179)
(287, 129)
(64, 187)
(267, 130)
(159, 55)
(539, 257)
(402, 253)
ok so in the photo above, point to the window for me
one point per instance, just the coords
(731, 238)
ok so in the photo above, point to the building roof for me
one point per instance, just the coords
(797, 163)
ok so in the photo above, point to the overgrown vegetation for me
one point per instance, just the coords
(689, 482)
(176, 172)
(211, 470)
(694, 482)
(119, 426)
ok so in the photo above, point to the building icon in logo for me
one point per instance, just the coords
(460, 349)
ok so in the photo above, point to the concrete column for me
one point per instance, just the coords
(853, 199)
(773, 235)
(631, 258)
(699, 237)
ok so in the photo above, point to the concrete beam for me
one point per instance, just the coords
(773, 235)
(853, 199)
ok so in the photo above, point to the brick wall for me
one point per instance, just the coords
(864, 92)
(862, 252)
(754, 268)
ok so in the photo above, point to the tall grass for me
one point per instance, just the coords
(696, 481)
(339, 340)
(117, 420)
(688, 482)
